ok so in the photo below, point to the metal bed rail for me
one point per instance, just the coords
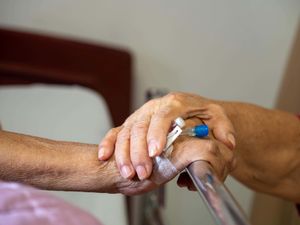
(223, 207)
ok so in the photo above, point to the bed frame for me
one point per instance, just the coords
(27, 58)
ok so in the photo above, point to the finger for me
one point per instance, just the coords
(219, 123)
(159, 127)
(139, 149)
(224, 132)
(122, 154)
(166, 110)
(157, 134)
(107, 145)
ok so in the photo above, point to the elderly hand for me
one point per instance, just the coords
(185, 151)
(143, 135)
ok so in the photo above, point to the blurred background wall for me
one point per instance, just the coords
(220, 49)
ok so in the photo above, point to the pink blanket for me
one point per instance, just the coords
(20, 204)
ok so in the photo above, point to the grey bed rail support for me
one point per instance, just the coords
(221, 204)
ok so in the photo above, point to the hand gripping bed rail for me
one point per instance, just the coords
(219, 201)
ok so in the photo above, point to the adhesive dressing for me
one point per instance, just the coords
(163, 169)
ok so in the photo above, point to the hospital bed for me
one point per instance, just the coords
(66, 90)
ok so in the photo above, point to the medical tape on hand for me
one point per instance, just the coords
(163, 169)
(172, 136)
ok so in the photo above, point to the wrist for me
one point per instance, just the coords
(91, 175)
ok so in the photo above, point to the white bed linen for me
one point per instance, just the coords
(70, 113)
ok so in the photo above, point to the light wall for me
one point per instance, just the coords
(222, 49)
(219, 49)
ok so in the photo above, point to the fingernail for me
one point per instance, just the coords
(101, 152)
(141, 172)
(152, 148)
(231, 139)
(125, 171)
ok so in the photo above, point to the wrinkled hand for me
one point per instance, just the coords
(143, 135)
(186, 150)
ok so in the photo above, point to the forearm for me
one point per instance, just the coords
(55, 165)
(267, 150)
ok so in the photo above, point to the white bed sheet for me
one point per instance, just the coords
(69, 113)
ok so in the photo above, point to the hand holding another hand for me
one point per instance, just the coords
(143, 136)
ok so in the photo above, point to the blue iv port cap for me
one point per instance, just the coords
(201, 130)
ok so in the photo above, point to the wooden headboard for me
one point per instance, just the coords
(27, 58)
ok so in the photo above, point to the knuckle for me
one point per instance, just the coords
(151, 102)
(175, 99)
(123, 135)
(140, 126)
(127, 122)
(113, 131)
(139, 129)
(211, 147)
(163, 112)
(151, 105)
(173, 95)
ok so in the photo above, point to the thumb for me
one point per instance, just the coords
(223, 131)
(220, 125)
